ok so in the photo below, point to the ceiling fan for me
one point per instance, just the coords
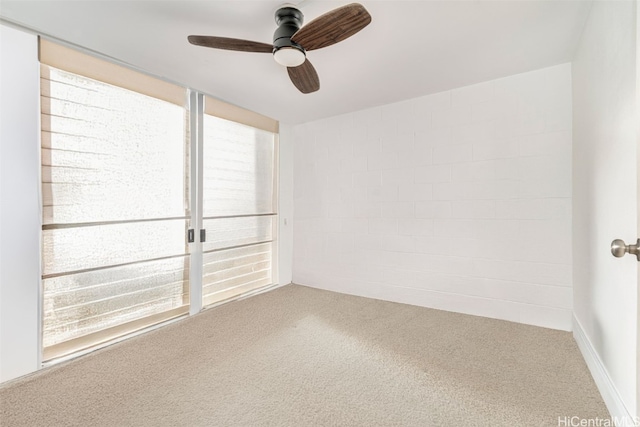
(290, 42)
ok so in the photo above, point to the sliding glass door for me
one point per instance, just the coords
(154, 204)
(239, 208)
(115, 211)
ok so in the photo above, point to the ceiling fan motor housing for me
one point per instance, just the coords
(289, 20)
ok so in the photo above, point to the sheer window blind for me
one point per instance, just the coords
(239, 202)
(115, 184)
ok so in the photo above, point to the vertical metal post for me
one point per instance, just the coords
(196, 106)
(275, 253)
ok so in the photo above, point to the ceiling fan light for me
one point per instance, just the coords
(289, 56)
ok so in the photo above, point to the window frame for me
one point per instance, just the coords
(196, 103)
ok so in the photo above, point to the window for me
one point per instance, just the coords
(239, 208)
(115, 210)
(121, 193)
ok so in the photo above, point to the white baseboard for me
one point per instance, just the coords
(607, 388)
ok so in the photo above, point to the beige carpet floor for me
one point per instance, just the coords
(298, 356)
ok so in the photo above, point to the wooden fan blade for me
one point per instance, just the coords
(304, 77)
(230, 44)
(332, 27)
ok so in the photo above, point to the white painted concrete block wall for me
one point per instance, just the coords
(459, 200)
(605, 72)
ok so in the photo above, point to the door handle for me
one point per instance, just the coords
(619, 248)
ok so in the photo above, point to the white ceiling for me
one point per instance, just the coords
(411, 48)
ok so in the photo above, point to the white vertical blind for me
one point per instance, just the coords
(115, 183)
(239, 208)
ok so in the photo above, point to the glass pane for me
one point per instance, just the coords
(230, 232)
(110, 154)
(81, 248)
(239, 169)
(231, 272)
(115, 187)
(79, 304)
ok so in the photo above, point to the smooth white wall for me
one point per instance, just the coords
(20, 218)
(459, 200)
(605, 190)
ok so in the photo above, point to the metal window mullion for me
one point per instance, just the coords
(275, 270)
(240, 216)
(59, 226)
(196, 106)
(245, 245)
